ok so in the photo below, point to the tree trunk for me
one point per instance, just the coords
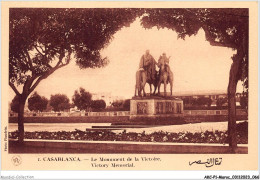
(21, 119)
(233, 79)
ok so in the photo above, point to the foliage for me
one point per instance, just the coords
(244, 102)
(208, 136)
(224, 27)
(42, 40)
(59, 102)
(98, 104)
(117, 103)
(204, 101)
(37, 102)
(48, 108)
(15, 104)
(221, 101)
(126, 105)
(41, 36)
(82, 99)
(197, 102)
(186, 101)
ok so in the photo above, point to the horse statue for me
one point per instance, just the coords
(153, 82)
(165, 77)
(141, 79)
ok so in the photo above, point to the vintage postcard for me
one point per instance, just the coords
(129, 86)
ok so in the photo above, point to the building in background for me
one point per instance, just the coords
(213, 96)
(107, 97)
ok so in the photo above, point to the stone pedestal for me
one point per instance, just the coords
(155, 107)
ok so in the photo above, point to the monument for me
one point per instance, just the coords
(154, 106)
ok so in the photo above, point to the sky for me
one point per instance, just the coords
(196, 65)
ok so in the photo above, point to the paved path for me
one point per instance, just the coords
(52, 127)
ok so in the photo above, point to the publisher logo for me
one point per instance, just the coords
(16, 160)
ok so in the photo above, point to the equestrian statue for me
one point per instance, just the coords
(147, 74)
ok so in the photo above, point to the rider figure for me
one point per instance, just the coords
(163, 63)
(147, 63)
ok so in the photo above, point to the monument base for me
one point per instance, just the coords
(156, 108)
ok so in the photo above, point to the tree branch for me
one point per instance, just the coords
(216, 43)
(44, 56)
(209, 38)
(29, 60)
(47, 74)
(49, 65)
(42, 50)
(68, 57)
(60, 60)
(27, 85)
(38, 50)
(14, 88)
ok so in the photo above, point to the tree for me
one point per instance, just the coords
(15, 104)
(82, 99)
(42, 40)
(98, 104)
(223, 27)
(59, 102)
(37, 102)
